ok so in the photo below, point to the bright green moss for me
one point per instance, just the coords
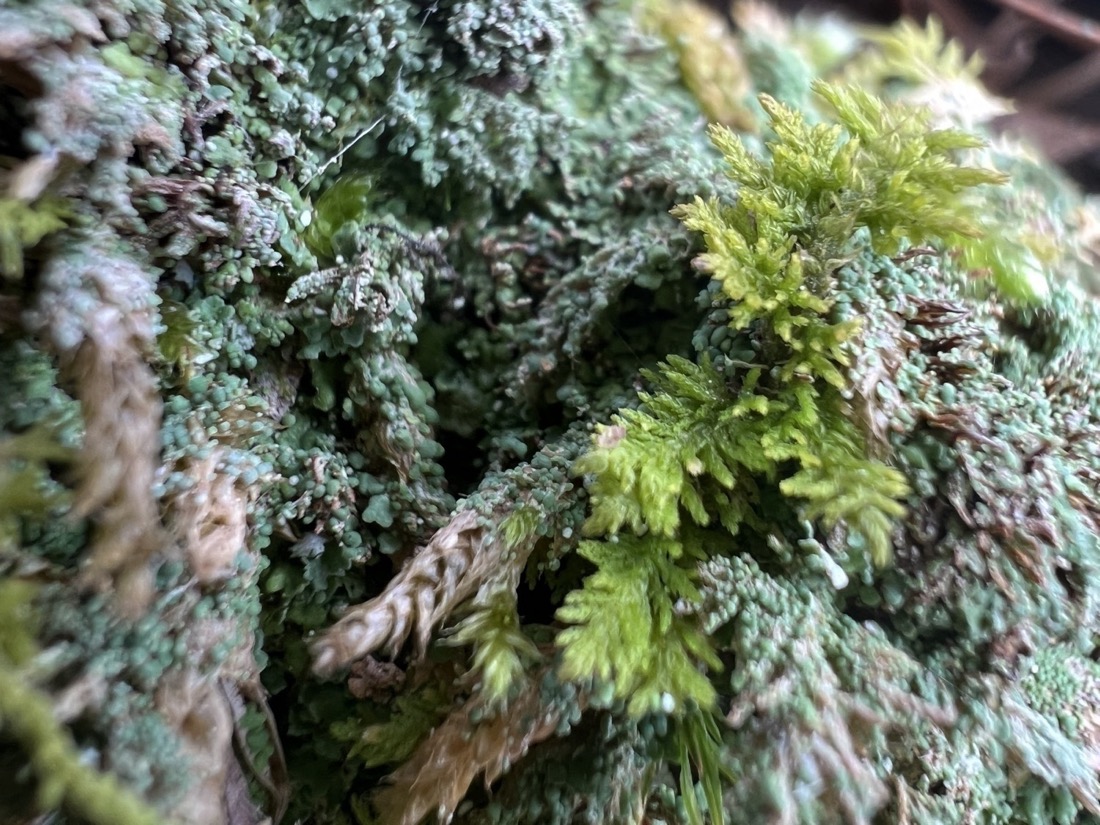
(348, 200)
(22, 225)
(697, 447)
(644, 649)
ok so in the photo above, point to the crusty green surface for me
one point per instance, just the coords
(417, 389)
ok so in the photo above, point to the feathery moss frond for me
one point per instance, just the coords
(653, 461)
(918, 53)
(442, 768)
(627, 630)
(859, 493)
(702, 446)
(502, 653)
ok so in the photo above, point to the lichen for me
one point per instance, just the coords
(366, 410)
(27, 716)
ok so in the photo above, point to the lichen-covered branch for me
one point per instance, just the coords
(96, 309)
(635, 470)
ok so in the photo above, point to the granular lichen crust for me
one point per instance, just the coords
(366, 412)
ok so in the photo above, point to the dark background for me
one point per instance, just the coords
(1045, 54)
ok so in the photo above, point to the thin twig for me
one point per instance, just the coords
(321, 170)
(434, 7)
(1067, 25)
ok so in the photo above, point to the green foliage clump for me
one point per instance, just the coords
(347, 200)
(502, 653)
(699, 446)
(25, 488)
(647, 651)
(914, 55)
(22, 225)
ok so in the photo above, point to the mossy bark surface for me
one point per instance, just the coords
(413, 411)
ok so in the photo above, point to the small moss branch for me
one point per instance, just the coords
(27, 716)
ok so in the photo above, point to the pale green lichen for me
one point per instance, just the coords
(324, 305)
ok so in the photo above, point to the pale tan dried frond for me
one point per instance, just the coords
(481, 551)
(221, 674)
(438, 775)
(97, 311)
(200, 714)
(210, 518)
(446, 572)
(117, 469)
(88, 690)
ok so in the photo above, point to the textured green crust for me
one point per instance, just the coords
(410, 411)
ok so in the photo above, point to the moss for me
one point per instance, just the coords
(24, 226)
(27, 716)
(366, 331)
(711, 64)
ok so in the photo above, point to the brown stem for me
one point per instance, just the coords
(1071, 27)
